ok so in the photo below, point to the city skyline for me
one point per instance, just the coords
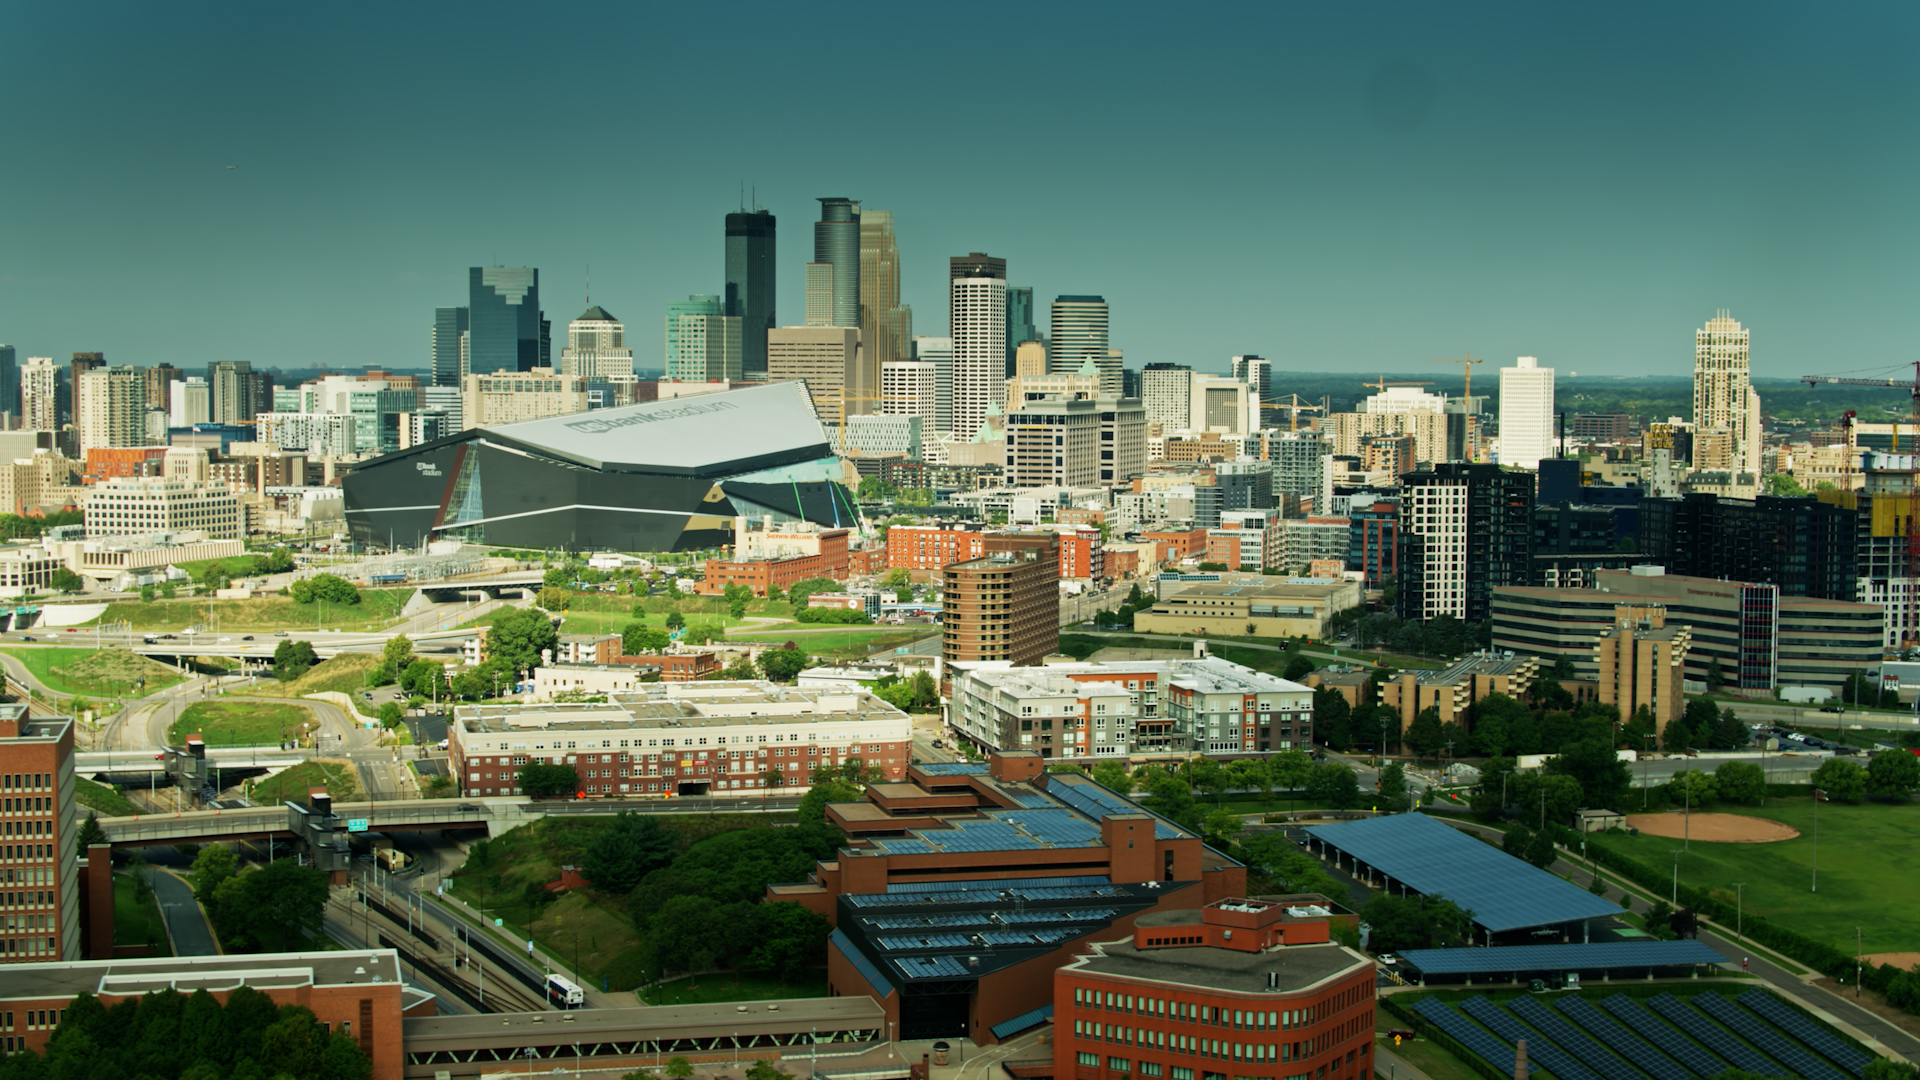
(1492, 179)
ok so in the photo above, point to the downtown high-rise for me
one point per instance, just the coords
(977, 291)
(40, 394)
(702, 344)
(506, 331)
(1726, 411)
(1020, 327)
(9, 387)
(833, 277)
(886, 325)
(1257, 373)
(597, 347)
(449, 345)
(1526, 413)
(1079, 334)
(749, 293)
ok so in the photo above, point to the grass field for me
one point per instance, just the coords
(1431, 1059)
(135, 923)
(614, 621)
(237, 566)
(345, 673)
(240, 723)
(1863, 855)
(293, 783)
(94, 673)
(104, 800)
(377, 608)
(840, 644)
(728, 986)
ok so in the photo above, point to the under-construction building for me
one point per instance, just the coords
(1886, 545)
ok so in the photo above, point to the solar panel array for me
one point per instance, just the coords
(1675, 1045)
(880, 983)
(1503, 892)
(1499, 1054)
(1776, 1012)
(998, 883)
(1749, 1027)
(951, 768)
(930, 967)
(1714, 1037)
(1010, 918)
(1557, 1061)
(1097, 802)
(903, 847)
(1621, 1041)
(961, 895)
(1571, 1040)
(1605, 954)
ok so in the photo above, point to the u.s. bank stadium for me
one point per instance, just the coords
(658, 476)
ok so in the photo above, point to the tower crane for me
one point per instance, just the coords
(1466, 393)
(1912, 387)
(1383, 384)
(1294, 409)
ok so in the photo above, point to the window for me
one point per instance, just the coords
(1086, 1058)
(1149, 1068)
(1181, 1072)
(1119, 1064)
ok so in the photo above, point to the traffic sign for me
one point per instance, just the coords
(357, 824)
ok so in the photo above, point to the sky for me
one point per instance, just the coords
(1335, 186)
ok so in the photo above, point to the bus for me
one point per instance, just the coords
(564, 994)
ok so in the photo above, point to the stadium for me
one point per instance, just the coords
(658, 476)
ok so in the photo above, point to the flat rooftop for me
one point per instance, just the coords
(644, 1023)
(189, 973)
(1210, 675)
(1204, 968)
(686, 705)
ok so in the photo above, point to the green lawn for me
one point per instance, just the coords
(614, 621)
(103, 800)
(237, 566)
(1864, 852)
(135, 923)
(345, 673)
(727, 986)
(240, 723)
(1431, 1059)
(94, 673)
(840, 644)
(292, 784)
(376, 609)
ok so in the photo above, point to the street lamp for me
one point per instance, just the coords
(1817, 793)
(1676, 876)
(1740, 910)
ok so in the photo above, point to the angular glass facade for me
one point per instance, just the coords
(503, 319)
(750, 285)
(1019, 321)
(449, 338)
(836, 242)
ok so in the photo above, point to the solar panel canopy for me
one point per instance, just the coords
(1603, 954)
(1504, 893)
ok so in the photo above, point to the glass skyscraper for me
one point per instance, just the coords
(750, 285)
(836, 243)
(1020, 326)
(503, 319)
(449, 339)
(9, 386)
(1080, 335)
(703, 345)
(886, 325)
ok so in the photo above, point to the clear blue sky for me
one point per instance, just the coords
(1331, 185)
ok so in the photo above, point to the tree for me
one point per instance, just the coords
(637, 638)
(787, 939)
(1741, 781)
(676, 621)
(765, 1069)
(799, 591)
(541, 780)
(517, 639)
(66, 581)
(1113, 776)
(330, 588)
(679, 1068)
(167, 590)
(1597, 768)
(1893, 774)
(740, 667)
(1287, 868)
(553, 598)
(211, 869)
(394, 658)
(1393, 796)
(1494, 719)
(1841, 780)
(813, 805)
(1534, 847)
(1414, 922)
(1298, 668)
(1424, 735)
(1335, 785)
(1783, 484)
(782, 665)
(392, 714)
(276, 908)
(1692, 787)
(146, 594)
(627, 849)
(1289, 769)
(90, 834)
(292, 658)
(1221, 825)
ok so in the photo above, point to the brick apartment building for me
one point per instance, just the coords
(933, 547)
(37, 823)
(1243, 988)
(587, 649)
(760, 572)
(1081, 553)
(1018, 869)
(1004, 604)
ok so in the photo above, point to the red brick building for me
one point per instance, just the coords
(760, 574)
(37, 823)
(1178, 546)
(107, 462)
(1238, 988)
(1081, 554)
(933, 547)
(868, 561)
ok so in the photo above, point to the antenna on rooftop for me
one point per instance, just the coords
(589, 284)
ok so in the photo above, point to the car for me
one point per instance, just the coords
(73, 629)
(1388, 959)
(469, 808)
(246, 637)
(1831, 708)
(279, 633)
(938, 745)
(26, 637)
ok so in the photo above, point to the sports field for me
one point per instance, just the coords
(1865, 853)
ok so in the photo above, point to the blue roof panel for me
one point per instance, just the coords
(1605, 954)
(1031, 1018)
(1502, 892)
(882, 986)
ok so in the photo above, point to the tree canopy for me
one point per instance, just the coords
(331, 588)
(518, 637)
(627, 849)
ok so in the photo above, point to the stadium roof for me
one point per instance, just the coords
(727, 432)
(1606, 954)
(1502, 892)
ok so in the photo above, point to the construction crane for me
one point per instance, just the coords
(1912, 387)
(1293, 410)
(841, 398)
(1383, 384)
(1466, 393)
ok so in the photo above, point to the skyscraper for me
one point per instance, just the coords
(1020, 328)
(1526, 413)
(978, 298)
(1079, 335)
(1723, 397)
(703, 345)
(9, 387)
(1166, 390)
(596, 347)
(750, 285)
(828, 359)
(40, 395)
(1467, 530)
(160, 380)
(1257, 373)
(83, 362)
(938, 351)
(836, 244)
(113, 404)
(233, 391)
(503, 321)
(886, 325)
(449, 348)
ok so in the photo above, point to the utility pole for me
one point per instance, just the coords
(1740, 910)
(1859, 964)
(1816, 841)
(1676, 876)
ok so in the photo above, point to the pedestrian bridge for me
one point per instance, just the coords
(98, 762)
(261, 822)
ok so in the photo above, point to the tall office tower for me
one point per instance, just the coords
(819, 289)
(836, 244)
(938, 351)
(113, 408)
(750, 284)
(503, 319)
(1723, 397)
(886, 326)
(233, 391)
(597, 347)
(1029, 359)
(1080, 334)
(193, 403)
(703, 345)
(83, 362)
(829, 360)
(1166, 390)
(1020, 328)
(1526, 413)
(910, 388)
(449, 360)
(1257, 373)
(40, 395)
(9, 388)
(978, 321)
(42, 875)
(160, 380)
(1465, 530)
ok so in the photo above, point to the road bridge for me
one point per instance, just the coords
(524, 582)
